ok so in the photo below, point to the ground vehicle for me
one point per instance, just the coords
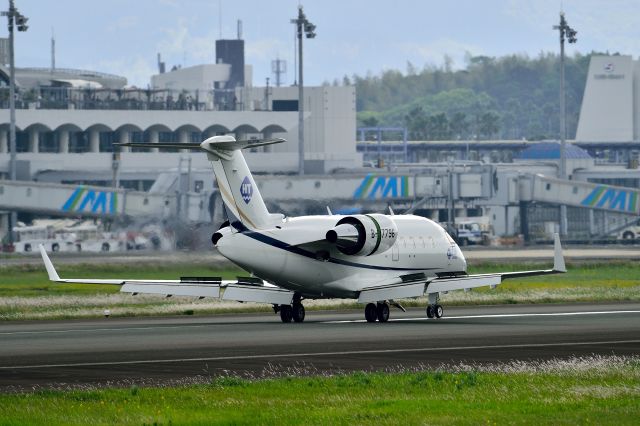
(472, 230)
(631, 232)
(63, 235)
(29, 237)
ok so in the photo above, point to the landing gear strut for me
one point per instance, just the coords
(377, 311)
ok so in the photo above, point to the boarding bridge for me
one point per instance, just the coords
(82, 200)
(367, 191)
(579, 194)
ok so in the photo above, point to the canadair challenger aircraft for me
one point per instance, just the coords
(374, 258)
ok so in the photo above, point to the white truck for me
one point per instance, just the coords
(473, 230)
(64, 236)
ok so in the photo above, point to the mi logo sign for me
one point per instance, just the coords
(84, 200)
(620, 200)
(375, 187)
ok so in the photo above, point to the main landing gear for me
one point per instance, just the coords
(294, 312)
(377, 311)
(434, 309)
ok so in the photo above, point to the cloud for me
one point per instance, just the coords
(266, 49)
(137, 70)
(178, 42)
(434, 52)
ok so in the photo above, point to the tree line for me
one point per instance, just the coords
(509, 97)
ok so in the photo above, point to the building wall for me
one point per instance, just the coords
(611, 95)
(330, 121)
(199, 77)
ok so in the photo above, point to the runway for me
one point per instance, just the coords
(153, 350)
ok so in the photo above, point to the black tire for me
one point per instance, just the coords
(298, 312)
(27, 248)
(383, 312)
(430, 313)
(370, 312)
(286, 313)
(105, 247)
(438, 311)
(55, 247)
(628, 235)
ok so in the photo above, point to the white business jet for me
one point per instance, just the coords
(374, 258)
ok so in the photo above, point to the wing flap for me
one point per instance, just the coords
(463, 283)
(242, 293)
(389, 292)
(196, 290)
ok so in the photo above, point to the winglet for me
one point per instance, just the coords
(558, 258)
(53, 275)
(329, 211)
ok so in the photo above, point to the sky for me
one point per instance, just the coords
(361, 37)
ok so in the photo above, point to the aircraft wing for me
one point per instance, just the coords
(242, 290)
(417, 285)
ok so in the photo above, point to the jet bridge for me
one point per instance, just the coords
(579, 194)
(82, 200)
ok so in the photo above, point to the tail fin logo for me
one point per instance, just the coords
(246, 190)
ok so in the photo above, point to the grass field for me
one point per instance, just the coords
(597, 390)
(26, 292)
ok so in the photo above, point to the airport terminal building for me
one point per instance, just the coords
(68, 120)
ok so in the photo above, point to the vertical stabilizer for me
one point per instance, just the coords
(238, 190)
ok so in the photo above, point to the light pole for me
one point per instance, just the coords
(20, 21)
(570, 34)
(306, 27)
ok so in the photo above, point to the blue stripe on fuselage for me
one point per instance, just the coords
(306, 253)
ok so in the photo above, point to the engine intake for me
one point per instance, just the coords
(363, 235)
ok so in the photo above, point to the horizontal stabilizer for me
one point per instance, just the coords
(208, 145)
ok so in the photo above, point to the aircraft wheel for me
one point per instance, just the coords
(298, 312)
(383, 312)
(286, 313)
(438, 311)
(370, 312)
(430, 311)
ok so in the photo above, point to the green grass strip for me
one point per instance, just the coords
(603, 395)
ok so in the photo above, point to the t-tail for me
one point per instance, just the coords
(240, 194)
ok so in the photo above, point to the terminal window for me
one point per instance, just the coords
(285, 105)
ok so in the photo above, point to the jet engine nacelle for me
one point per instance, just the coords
(364, 235)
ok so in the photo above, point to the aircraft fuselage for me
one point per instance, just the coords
(320, 270)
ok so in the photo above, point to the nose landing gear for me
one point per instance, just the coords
(434, 309)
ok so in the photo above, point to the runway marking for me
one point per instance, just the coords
(548, 314)
(125, 328)
(318, 354)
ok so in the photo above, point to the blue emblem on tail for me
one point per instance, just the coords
(246, 190)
